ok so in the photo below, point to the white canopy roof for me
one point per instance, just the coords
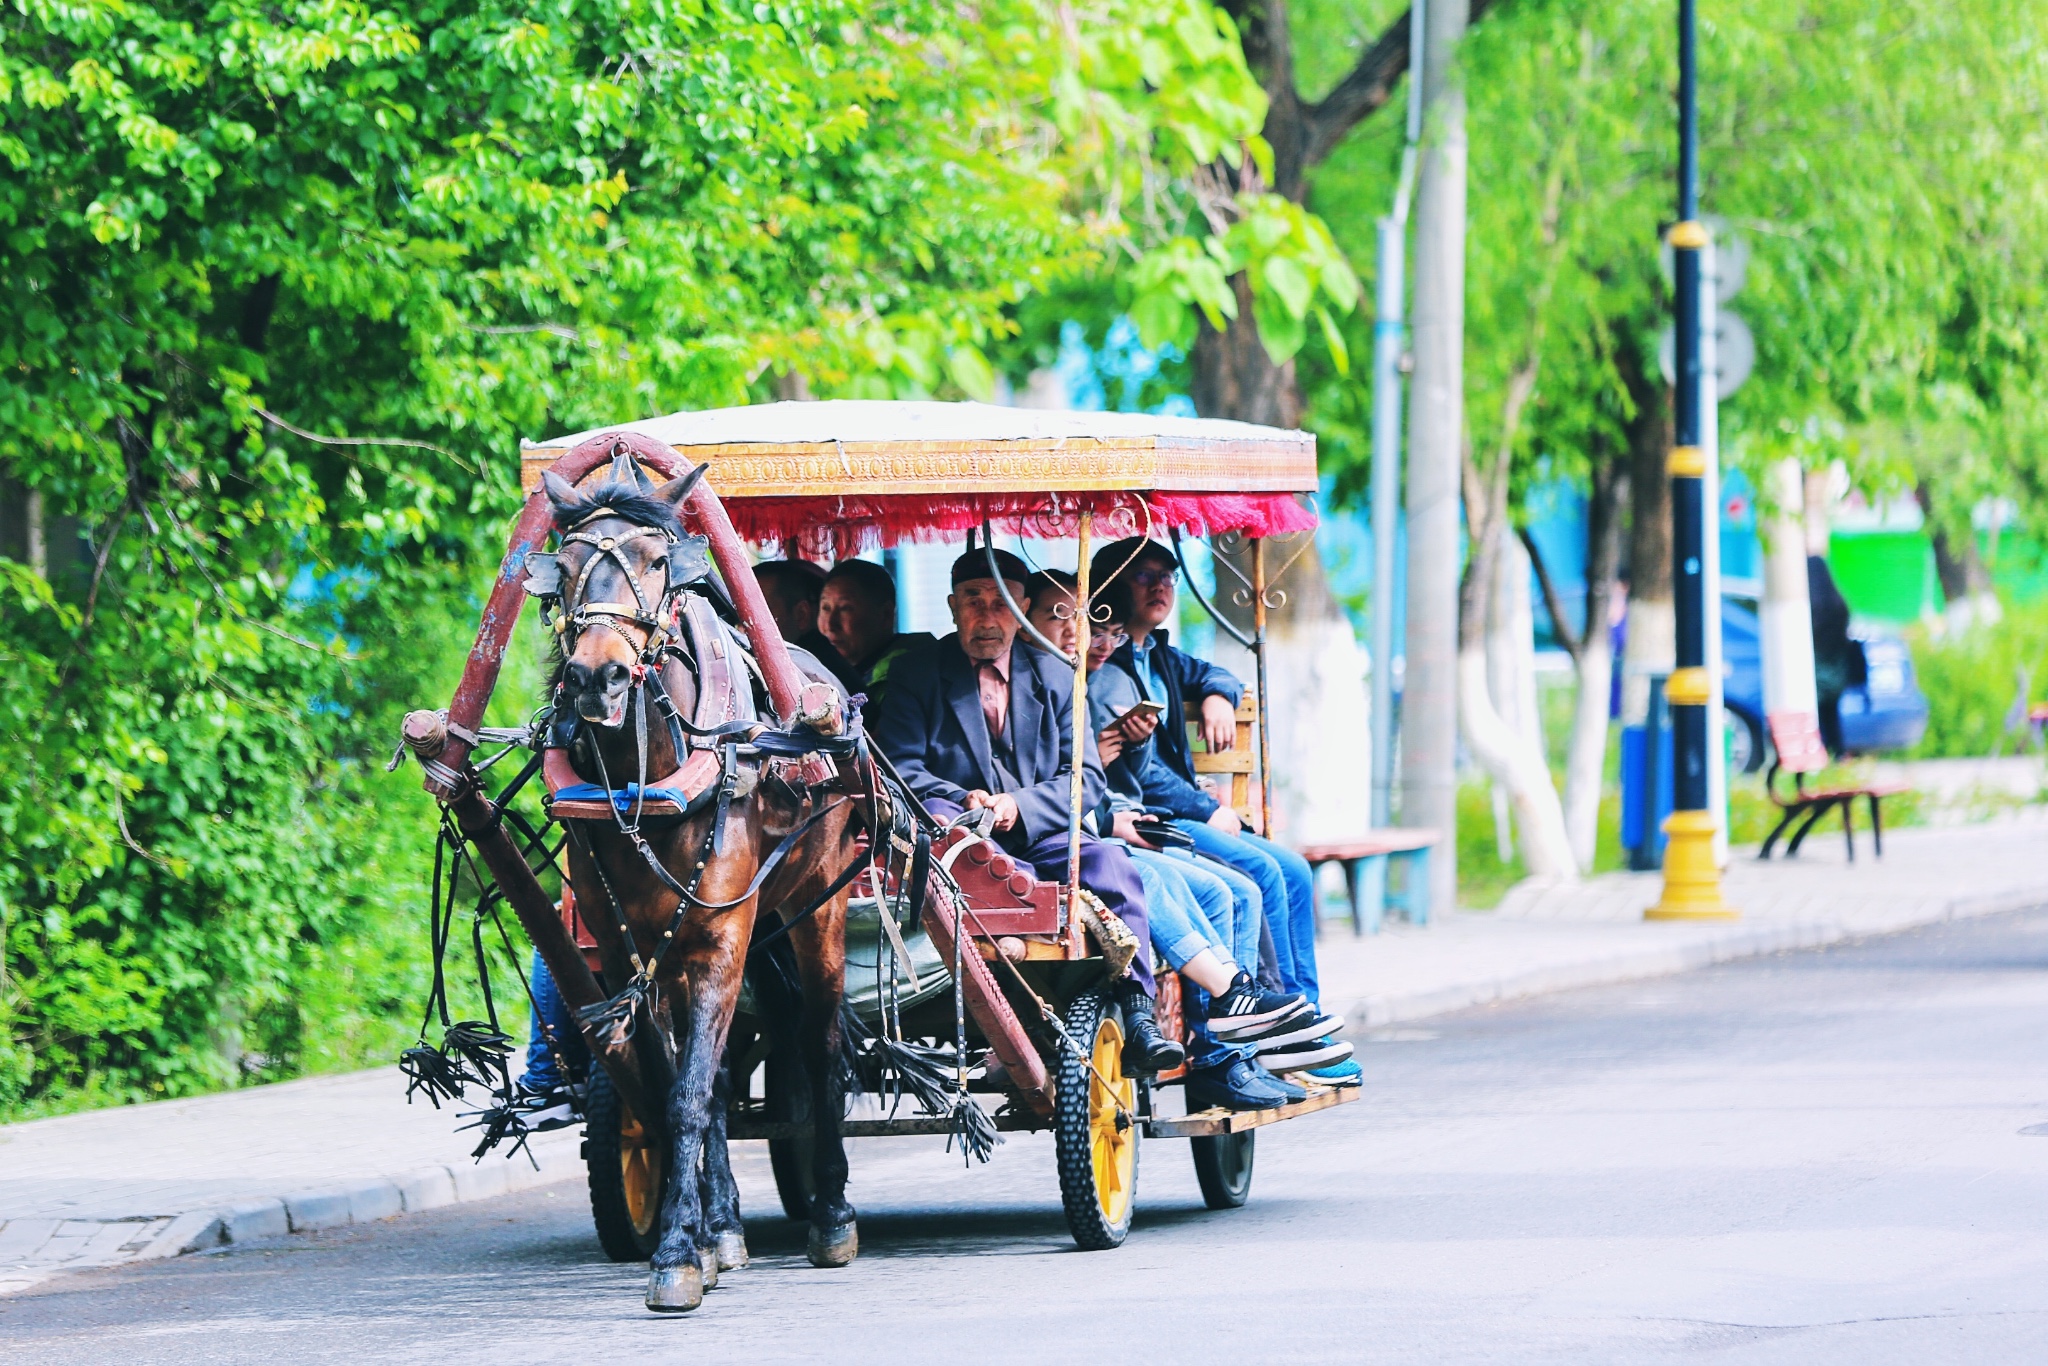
(849, 446)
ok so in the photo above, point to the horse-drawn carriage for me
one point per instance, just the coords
(756, 912)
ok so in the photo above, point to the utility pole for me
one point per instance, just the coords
(1429, 707)
(1692, 880)
(1389, 332)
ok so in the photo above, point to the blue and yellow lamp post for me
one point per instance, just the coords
(1692, 880)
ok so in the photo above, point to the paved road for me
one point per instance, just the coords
(1815, 1157)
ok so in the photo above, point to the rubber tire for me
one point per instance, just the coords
(622, 1242)
(1223, 1168)
(1093, 1230)
(787, 1091)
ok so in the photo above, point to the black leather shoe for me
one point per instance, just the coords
(1146, 1049)
(1235, 1085)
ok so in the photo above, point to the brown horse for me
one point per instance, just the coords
(652, 677)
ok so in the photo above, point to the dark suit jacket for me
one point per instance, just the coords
(929, 722)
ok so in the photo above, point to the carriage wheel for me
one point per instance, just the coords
(1095, 1127)
(1223, 1168)
(628, 1169)
(787, 1091)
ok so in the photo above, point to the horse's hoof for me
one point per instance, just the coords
(732, 1250)
(834, 1246)
(676, 1290)
(707, 1264)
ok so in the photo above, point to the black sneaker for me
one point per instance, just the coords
(553, 1107)
(1286, 1087)
(1236, 1085)
(1244, 1009)
(1300, 1029)
(1300, 1057)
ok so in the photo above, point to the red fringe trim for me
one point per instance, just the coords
(842, 527)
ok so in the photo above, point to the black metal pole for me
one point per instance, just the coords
(1692, 882)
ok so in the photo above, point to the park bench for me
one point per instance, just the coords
(1364, 859)
(1799, 751)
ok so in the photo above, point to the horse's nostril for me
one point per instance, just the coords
(577, 676)
(615, 674)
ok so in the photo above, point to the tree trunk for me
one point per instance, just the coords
(1965, 583)
(1787, 617)
(1652, 621)
(1235, 378)
(1513, 760)
(1585, 762)
(1320, 734)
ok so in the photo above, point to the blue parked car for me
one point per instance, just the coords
(1886, 711)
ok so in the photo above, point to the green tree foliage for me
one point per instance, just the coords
(287, 284)
(1882, 164)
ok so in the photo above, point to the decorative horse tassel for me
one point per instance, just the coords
(892, 1068)
(611, 1023)
(432, 1073)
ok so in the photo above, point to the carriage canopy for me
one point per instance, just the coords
(851, 474)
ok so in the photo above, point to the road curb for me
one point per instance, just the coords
(308, 1210)
(1734, 942)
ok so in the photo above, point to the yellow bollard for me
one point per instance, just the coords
(1692, 884)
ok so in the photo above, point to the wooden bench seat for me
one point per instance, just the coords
(1799, 751)
(1365, 859)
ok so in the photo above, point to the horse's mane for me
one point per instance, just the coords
(626, 500)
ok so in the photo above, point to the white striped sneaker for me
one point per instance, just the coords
(1244, 1009)
(1300, 1029)
(1302, 1056)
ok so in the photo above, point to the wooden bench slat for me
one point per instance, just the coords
(1796, 737)
(1371, 844)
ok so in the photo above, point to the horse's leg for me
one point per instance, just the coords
(721, 1194)
(675, 1280)
(820, 945)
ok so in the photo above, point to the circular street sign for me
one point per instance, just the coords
(1734, 353)
(1731, 258)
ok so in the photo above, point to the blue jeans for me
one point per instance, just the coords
(1181, 903)
(1288, 893)
(1182, 919)
(542, 1071)
(1240, 900)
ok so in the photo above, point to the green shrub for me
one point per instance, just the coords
(1971, 678)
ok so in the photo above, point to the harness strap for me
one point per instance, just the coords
(837, 886)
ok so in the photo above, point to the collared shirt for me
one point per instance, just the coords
(994, 678)
(1148, 671)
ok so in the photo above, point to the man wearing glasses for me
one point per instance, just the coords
(1172, 677)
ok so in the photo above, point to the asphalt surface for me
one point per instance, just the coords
(1817, 1157)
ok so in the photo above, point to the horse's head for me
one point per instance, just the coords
(623, 559)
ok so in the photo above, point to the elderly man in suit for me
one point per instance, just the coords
(980, 721)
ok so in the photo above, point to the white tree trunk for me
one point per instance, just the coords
(1501, 732)
(1585, 763)
(1511, 666)
(1787, 618)
(1517, 766)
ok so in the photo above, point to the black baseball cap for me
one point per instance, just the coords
(974, 565)
(1120, 557)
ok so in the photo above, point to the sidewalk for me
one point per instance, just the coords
(156, 1180)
